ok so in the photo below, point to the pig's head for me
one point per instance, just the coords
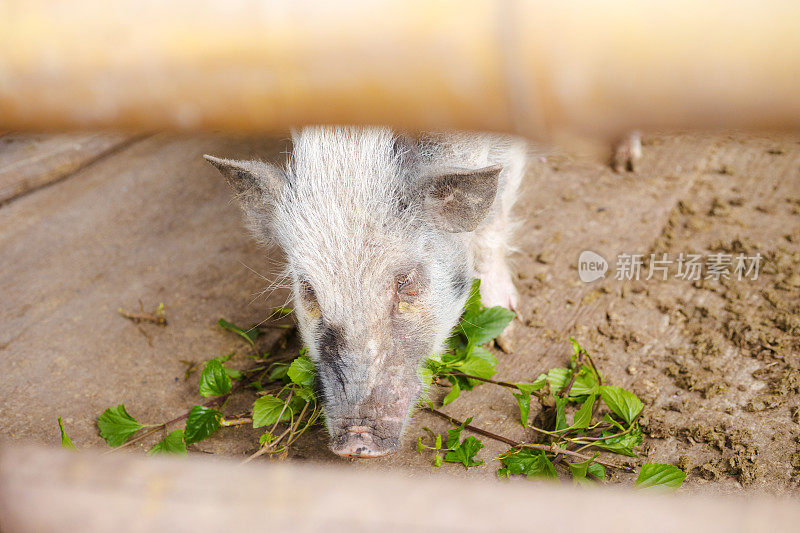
(379, 270)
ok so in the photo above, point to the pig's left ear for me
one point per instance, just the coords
(250, 180)
(459, 201)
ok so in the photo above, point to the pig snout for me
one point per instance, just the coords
(374, 436)
(367, 419)
(362, 441)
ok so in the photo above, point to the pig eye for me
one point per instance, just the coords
(407, 284)
(309, 300)
(307, 292)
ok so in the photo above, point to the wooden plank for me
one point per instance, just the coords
(31, 161)
(48, 490)
(415, 64)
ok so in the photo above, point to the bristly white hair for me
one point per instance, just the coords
(357, 209)
(343, 191)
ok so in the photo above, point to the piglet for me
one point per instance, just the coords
(383, 233)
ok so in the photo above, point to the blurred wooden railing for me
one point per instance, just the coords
(533, 67)
(43, 491)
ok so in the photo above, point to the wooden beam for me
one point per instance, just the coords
(532, 67)
(44, 490)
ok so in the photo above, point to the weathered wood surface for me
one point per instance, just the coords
(43, 491)
(30, 161)
(531, 67)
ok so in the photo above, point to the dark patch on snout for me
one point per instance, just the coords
(330, 342)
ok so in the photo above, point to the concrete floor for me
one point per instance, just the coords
(149, 221)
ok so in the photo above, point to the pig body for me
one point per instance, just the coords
(382, 235)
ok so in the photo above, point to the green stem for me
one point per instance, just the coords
(515, 444)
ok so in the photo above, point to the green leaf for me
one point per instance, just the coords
(479, 362)
(524, 401)
(117, 426)
(581, 471)
(608, 419)
(201, 423)
(558, 378)
(172, 444)
(659, 476)
(306, 394)
(531, 463)
(278, 372)
(524, 396)
(66, 442)
(585, 383)
(583, 416)
(456, 339)
(473, 305)
(249, 335)
(624, 444)
(454, 435)
(455, 391)
(435, 365)
(437, 461)
(623, 403)
(471, 308)
(598, 471)
(214, 381)
(576, 348)
(465, 453)
(529, 388)
(267, 409)
(561, 417)
(485, 325)
(301, 371)
(233, 373)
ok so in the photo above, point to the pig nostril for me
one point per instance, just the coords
(359, 441)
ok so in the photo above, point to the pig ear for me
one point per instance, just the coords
(459, 201)
(249, 179)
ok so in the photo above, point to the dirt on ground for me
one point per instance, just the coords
(714, 359)
(721, 378)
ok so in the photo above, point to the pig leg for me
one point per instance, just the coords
(497, 286)
(491, 246)
(627, 153)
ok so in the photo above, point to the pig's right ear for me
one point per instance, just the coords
(459, 201)
(250, 180)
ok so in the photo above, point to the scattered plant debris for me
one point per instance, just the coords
(66, 442)
(581, 416)
(157, 317)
